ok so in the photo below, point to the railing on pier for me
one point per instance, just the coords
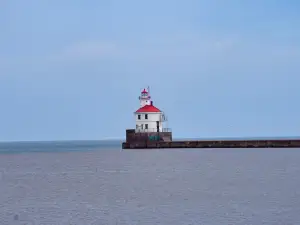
(152, 130)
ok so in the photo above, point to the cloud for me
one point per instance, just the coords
(223, 58)
(151, 48)
(88, 50)
(178, 48)
(173, 51)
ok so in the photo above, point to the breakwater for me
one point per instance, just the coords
(148, 140)
(285, 143)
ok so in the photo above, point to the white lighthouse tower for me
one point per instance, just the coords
(148, 117)
(145, 97)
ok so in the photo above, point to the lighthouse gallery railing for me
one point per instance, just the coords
(152, 130)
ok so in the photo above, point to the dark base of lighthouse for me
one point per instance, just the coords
(136, 139)
(164, 140)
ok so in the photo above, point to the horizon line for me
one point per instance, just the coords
(176, 138)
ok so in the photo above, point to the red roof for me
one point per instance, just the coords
(144, 91)
(148, 108)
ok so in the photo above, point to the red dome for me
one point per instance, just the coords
(148, 108)
(144, 91)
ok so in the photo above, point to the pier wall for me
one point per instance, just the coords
(147, 137)
(214, 144)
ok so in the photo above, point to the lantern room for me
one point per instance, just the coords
(145, 97)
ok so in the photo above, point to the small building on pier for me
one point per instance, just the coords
(148, 117)
(150, 122)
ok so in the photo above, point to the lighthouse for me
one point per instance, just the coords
(150, 125)
(148, 117)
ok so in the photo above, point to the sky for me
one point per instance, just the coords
(73, 70)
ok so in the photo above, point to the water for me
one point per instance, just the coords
(97, 183)
(57, 146)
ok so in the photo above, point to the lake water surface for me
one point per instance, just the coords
(97, 183)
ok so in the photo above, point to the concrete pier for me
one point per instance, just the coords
(287, 143)
(152, 140)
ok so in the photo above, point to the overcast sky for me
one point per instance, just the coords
(74, 69)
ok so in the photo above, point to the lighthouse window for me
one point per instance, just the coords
(139, 117)
(146, 116)
(146, 126)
